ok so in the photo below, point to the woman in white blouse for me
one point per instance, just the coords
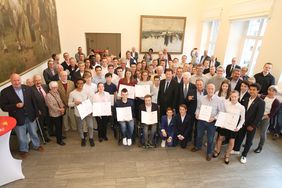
(234, 107)
(102, 121)
(76, 97)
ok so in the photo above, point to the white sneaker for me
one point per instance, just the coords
(235, 152)
(124, 141)
(163, 144)
(129, 142)
(243, 160)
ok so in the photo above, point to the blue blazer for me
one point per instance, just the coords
(169, 129)
(183, 127)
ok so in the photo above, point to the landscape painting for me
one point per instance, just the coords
(159, 32)
(28, 35)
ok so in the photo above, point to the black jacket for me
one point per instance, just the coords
(9, 99)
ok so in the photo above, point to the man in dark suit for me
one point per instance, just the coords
(18, 100)
(255, 107)
(188, 96)
(40, 90)
(148, 106)
(79, 73)
(65, 63)
(134, 54)
(235, 80)
(50, 73)
(129, 59)
(214, 62)
(168, 92)
(204, 57)
(232, 66)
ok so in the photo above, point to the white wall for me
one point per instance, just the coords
(112, 16)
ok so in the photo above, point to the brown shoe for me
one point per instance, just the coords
(208, 158)
(195, 149)
(23, 155)
(40, 148)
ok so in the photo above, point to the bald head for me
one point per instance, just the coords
(15, 80)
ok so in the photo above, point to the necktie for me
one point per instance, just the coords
(40, 91)
(166, 86)
(185, 90)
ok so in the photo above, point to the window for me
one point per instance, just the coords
(209, 36)
(245, 40)
(252, 43)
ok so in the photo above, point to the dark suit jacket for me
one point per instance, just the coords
(135, 55)
(72, 71)
(238, 85)
(228, 70)
(205, 57)
(169, 97)
(216, 63)
(65, 65)
(245, 97)
(255, 113)
(48, 76)
(9, 99)
(155, 107)
(169, 128)
(40, 101)
(76, 75)
(192, 91)
(182, 127)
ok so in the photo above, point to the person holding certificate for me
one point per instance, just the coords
(234, 107)
(167, 128)
(126, 123)
(76, 97)
(207, 110)
(128, 79)
(149, 107)
(183, 126)
(255, 107)
(102, 121)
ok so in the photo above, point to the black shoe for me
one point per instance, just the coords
(226, 160)
(91, 141)
(61, 143)
(195, 149)
(83, 142)
(215, 154)
(106, 138)
(47, 139)
(258, 150)
(100, 139)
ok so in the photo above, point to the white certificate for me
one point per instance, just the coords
(205, 113)
(142, 90)
(130, 89)
(227, 120)
(124, 113)
(112, 100)
(149, 117)
(102, 109)
(85, 108)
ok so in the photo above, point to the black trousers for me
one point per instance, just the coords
(57, 122)
(102, 126)
(249, 140)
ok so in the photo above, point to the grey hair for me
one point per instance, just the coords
(53, 84)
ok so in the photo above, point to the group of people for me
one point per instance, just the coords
(179, 91)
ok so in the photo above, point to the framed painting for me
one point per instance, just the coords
(29, 34)
(160, 32)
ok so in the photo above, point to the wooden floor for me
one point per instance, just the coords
(110, 165)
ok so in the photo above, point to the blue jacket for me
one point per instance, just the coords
(169, 129)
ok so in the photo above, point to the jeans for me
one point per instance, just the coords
(249, 141)
(127, 128)
(264, 124)
(21, 132)
(89, 123)
(201, 128)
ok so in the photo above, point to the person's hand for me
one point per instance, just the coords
(190, 98)
(250, 128)
(169, 139)
(39, 112)
(236, 130)
(211, 119)
(197, 116)
(76, 102)
(265, 117)
(62, 110)
(164, 133)
(19, 105)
